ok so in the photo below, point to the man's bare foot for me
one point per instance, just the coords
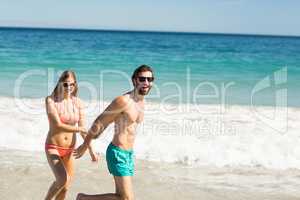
(79, 196)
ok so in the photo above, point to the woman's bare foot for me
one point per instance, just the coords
(95, 157)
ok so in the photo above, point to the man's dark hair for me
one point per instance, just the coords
(142, 68)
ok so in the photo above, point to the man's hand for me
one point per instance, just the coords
(80, 151)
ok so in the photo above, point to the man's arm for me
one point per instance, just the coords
(109, 115)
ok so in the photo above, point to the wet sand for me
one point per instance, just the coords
(27, 176)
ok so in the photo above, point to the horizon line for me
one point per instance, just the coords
(145, 31)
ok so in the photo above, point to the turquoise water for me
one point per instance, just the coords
(181, 61)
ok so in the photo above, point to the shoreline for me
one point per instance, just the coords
(204, 135)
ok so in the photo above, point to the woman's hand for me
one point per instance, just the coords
(82, 130)
(94, 156)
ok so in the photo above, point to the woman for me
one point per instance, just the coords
(66, 118)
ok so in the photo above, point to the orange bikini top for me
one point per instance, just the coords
(68, 114)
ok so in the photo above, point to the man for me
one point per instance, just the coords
(126, 112)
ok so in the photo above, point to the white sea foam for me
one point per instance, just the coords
(190, 134)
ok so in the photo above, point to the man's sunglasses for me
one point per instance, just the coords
(68, 84)
(143, 79)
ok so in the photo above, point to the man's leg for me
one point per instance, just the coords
(124, 191)
(108, 196)
(124, 187)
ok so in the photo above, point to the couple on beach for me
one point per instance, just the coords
(66, 118)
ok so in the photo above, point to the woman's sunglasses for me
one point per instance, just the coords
(143, 79)
(66, 84)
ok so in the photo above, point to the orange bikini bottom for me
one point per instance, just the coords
(60, 151)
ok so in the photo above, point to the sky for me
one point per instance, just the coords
(274, 17)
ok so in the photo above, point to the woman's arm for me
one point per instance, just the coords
(81, 123)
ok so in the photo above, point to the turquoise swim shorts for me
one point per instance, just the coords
(120, 162)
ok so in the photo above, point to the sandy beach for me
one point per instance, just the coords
(27, 176)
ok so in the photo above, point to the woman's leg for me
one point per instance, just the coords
(60, 174)
(69, 165)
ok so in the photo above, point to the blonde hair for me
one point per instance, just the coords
(66, 74)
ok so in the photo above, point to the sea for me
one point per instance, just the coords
(223, 100)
